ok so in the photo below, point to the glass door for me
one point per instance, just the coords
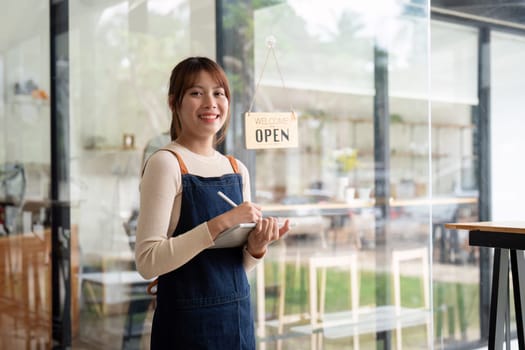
(121, 54)
(354, 270)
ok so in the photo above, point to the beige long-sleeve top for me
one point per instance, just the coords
(156, 251)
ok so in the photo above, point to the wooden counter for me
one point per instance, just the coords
(335, 208)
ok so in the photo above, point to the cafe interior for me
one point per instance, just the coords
(408, 118)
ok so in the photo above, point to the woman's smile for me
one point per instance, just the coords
(208, 117)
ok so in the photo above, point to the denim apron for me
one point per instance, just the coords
(205, 304)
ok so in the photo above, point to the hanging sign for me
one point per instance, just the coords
(270, 130)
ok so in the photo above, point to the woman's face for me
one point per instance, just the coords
(204, 108)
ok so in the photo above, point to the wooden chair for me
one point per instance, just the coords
(423, 315)
(318, 317)
(363, 319)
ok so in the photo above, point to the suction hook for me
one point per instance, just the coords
(270, 41)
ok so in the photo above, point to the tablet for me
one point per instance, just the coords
(234, 236)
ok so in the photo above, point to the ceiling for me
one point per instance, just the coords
(26, 17)
(512, 11)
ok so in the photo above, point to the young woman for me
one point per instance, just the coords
(203, 295)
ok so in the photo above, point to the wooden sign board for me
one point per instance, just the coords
(271, 130)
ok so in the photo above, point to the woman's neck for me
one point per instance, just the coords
(204, 148)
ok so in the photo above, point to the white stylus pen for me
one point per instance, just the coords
(227, 199)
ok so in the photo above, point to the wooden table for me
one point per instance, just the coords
(508, 239)
(342, 208)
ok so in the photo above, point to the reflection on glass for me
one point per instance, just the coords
(121, 57)
(326, 284)
(331, 270)
(330, 283)
(25, 238)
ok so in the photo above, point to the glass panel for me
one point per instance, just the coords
(372, 152)
(455, 189)
(507, 53)
(346, 269)
(122, 53)
(25, 239)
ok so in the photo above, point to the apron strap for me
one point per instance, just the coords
(183, 169)
(234, 164)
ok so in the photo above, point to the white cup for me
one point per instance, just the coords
(349, 194)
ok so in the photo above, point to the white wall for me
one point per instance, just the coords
(507, 127)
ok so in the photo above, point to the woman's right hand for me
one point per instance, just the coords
(244, 212)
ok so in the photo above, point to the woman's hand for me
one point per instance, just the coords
(265, 232)
(244, 212)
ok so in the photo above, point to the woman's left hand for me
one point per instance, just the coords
(265, 232)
